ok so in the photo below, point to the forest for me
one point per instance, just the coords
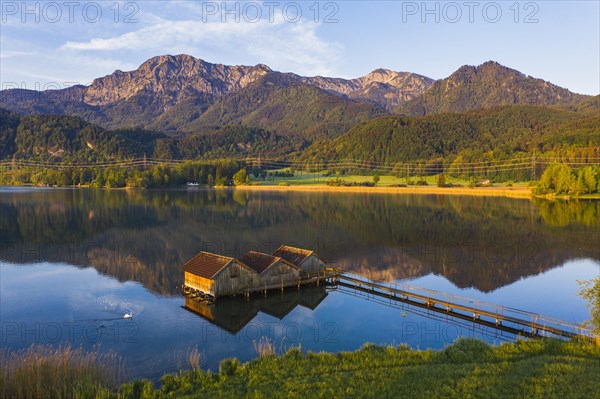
(511, 143)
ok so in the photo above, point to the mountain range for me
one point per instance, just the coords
(181, 106)
(176, 94)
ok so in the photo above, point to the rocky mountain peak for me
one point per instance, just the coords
(172, 75)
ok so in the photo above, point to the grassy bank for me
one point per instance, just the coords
(542, 368)
(468, 368)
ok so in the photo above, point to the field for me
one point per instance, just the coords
(386, 184)
(319, 178)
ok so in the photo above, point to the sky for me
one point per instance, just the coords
(54, 44)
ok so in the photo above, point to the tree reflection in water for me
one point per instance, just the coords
(146, 236)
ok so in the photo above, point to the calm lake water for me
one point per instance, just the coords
(73, 261)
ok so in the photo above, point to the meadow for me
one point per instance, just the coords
(469, 368)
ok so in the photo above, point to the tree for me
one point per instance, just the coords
(376, 178)
(587, 179)
(564, 180)
(220, 179)
(241, 177)
(557, 179)
(590, 291)
(441, 180)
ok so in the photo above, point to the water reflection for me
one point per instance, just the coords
(145, 236)
(233, 313)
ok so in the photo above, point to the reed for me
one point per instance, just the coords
(264, 347)
(44, 371)
(194, 358)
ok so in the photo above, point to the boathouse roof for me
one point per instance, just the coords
(206, 264)
(292, 254)
(260, 262)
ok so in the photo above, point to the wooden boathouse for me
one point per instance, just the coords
(306, 260)
(217, 275)
(273, 271)
(208, 274)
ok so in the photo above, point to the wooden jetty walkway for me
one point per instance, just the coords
(504, 318)
(205, 285)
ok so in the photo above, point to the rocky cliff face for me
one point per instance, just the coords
(171, 77)
(382, 87)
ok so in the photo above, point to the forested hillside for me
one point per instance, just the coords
(483, 135)
(279, 103)
(486, 86)
(68, 139)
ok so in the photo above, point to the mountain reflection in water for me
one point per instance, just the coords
(145, 236)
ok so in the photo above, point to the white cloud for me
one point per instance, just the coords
(14, 53)
(281, 45)
(35, 55)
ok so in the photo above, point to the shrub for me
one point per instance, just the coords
(376, 178)
(228, 367)
(241, 177)
(590, 291)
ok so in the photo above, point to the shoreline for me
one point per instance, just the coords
(506, 192)
(514, 192)
(397, 369)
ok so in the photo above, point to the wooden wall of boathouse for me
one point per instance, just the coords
(234, 279)
(199, 283)
(312, 264)
(281, 273)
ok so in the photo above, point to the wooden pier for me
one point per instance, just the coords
(504, 318)
(498, 317)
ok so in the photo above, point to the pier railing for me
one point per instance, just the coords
(505, 317)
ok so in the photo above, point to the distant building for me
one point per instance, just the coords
(218, 275)
(306, 260)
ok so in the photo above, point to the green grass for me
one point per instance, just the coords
(541, 368)
(466, 369)
(319, 178)
(298, 179)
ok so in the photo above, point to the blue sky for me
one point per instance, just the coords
(56, 44)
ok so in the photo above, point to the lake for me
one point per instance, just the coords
(74, 261)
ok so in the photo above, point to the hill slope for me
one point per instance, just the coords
(68, 139)
(280, 103)
(485, 86)
(504, 130)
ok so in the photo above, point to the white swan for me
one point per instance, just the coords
(128, 315)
